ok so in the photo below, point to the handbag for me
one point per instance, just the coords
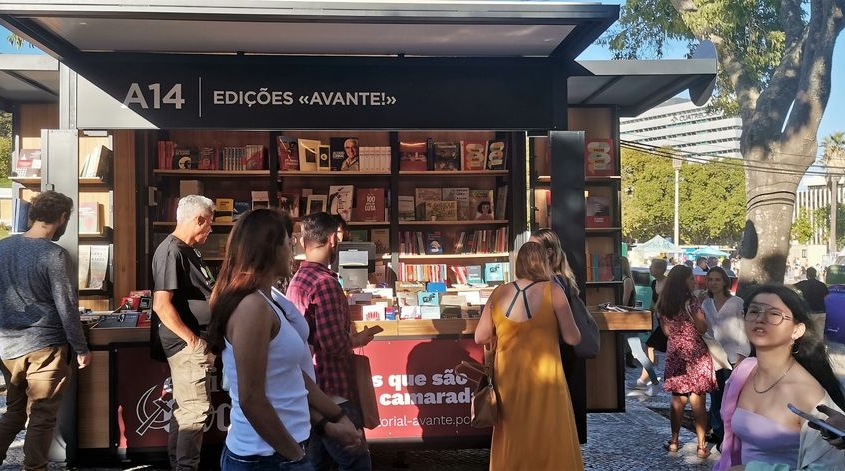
(590, 337)
(366, 391)
(484, 407)
(717, 352)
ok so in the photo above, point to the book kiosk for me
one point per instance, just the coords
(323, 79)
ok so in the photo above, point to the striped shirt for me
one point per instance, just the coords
(316, 292)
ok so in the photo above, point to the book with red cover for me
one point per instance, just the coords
(599, 157)
(369, 204)
(598, 212)
(413, 156)
(288, 151)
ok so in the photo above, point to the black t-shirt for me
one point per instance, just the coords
(179, 268)
(814, 292)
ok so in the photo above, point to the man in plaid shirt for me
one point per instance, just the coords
(316, 291)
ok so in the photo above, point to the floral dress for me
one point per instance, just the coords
(689, 368)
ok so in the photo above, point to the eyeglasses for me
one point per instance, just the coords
(771, 316)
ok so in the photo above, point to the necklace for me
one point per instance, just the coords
(754, 382)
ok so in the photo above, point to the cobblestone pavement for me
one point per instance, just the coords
(630, 440)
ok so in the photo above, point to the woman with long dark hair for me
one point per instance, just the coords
(791, 366)
(688, 374)
(265, 357)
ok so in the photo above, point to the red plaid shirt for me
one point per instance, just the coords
(315, 290)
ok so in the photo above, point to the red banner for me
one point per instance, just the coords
(418, 393)
(144, 406)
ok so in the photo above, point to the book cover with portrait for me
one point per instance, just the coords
(481, 204)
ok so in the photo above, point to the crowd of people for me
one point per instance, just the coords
(287, 357)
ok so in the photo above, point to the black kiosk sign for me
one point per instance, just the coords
(325, 93)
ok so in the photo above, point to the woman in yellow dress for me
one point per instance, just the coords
(523, 320)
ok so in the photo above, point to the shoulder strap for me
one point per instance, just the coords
(524, 299)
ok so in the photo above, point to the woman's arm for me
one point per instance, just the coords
(663, 324)
(337, 425)
(485, 331)
(250, 330)
(627, 289)
(568, 329)
(698, 318)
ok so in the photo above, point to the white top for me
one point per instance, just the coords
(727, 326)
(298, 322)
(285, 389)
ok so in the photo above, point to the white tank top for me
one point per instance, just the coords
(285, 390)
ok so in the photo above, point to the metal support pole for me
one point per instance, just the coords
(676, 164)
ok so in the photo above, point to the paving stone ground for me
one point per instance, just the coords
(625, 441)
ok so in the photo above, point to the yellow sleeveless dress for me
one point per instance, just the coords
(536, 429)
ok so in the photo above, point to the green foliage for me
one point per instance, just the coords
(802, 227)
(16, 41)
(5, 149)
(750, 30)
(711, 196)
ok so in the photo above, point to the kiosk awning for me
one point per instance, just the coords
(28, 78)
(381, 28)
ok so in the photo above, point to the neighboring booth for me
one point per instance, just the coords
(323, 68)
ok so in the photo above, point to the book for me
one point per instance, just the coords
(340, 201)
(481, 204)
(99, 266)
(475, 274)
(207, 159)
(324, 160)
(461, 195)
(421, 195)
(446, 156)
(289, 202)
(381, 238)
(98, 164)
(308, 151)
(501, 201)
(598, 211)
(413, 156)
(288, 150)
(599, 157)
(260, 199)
(496, 273)
(224, 210)
(473, 154)
(428, 298)
(27, 163)
(240, 208)
(438, 210)
(433, 243)
(254, 157)
(184, 158)
(497, 155)
(344, 154)
(369, 204)
(90, 221)
(407, 211)
(315, 204)
(359, 235)
(84, 265)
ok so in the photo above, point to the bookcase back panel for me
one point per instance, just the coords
(597, 123)
(365, 138)
(34, 118)
(209, 138)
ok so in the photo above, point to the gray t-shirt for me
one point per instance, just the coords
(38, 304)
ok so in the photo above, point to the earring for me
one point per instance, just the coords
(795, 347)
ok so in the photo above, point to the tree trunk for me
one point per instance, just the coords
(765, 241)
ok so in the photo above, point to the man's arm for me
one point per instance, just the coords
(169, 316)
(66, 303)
(331, 320)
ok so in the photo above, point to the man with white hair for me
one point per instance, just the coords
(182, 285)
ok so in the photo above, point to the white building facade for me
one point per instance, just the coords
(680, 124)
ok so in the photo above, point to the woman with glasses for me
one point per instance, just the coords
(791, 367)
(688, 374)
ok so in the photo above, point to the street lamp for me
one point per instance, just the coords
(676, 164)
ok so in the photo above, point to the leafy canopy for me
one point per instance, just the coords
(711, 196)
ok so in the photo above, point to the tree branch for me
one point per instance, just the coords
(825, 25)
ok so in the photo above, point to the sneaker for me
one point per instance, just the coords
(640, 384)
(653, 389)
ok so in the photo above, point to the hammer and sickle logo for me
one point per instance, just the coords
(153, 414)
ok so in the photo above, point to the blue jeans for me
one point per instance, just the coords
(638, 353)
(232, 462)
(716, 423)
(323, 450)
